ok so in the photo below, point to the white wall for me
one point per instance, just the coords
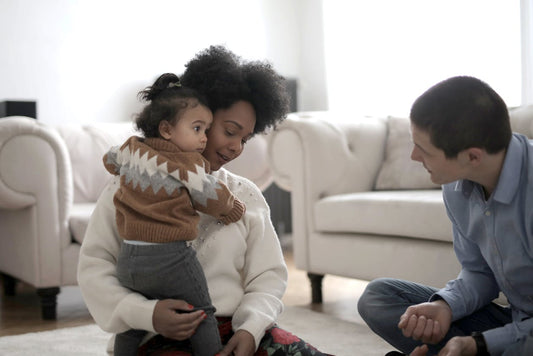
(85, 60)
(386, 61)
(295, 43)
(526, 26)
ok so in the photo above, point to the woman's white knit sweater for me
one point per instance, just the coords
(243, 264)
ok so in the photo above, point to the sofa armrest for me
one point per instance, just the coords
(329, 153)
(319, 154)
(35, 198)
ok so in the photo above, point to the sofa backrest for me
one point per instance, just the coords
(522, 120)
(398, 171)
(86, 145)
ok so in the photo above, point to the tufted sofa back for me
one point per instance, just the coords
(86, 145)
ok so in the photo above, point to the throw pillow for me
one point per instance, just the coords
(398, 171)
(521, 119)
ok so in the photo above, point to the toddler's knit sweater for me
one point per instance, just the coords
(161, 187)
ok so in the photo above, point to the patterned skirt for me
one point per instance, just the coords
(276, 342)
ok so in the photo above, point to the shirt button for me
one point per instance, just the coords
(487, 213)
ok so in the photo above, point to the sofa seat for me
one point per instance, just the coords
(418, 214)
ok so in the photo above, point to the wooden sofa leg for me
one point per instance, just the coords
(316, 287)
(10, 284)
(48, 302)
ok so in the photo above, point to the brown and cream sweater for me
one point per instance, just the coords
(161, 188)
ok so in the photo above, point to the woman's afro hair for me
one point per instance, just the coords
(224, 78)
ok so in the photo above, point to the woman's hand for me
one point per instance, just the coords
(242, 343)
(169, 323)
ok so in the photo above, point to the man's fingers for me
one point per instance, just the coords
(437, 331)
(410, 326)
(418, 331)
(420, 351)
(427, 335)
(403, 321)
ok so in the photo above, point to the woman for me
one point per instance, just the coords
(243, 262)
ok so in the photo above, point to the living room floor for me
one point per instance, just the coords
(21, 313)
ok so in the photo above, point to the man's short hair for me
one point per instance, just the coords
(460, 113)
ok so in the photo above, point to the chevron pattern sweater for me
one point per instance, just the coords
(161, 188)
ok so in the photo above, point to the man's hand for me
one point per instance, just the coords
(242, 343)
(457, 346)
(428, 322)
(420, 351)
(169, 323)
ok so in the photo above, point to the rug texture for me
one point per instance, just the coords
(327, 333)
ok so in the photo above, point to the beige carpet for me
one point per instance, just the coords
(325, 332)
(332, 335)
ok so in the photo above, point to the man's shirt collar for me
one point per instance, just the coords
(509, 180)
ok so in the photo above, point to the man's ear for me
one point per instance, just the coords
(475, 156)
(165, 129)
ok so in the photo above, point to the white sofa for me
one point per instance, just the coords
(50, 179)
(360, 207)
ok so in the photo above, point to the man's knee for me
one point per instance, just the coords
(371, 299)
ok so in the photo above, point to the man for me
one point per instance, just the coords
(462, 135)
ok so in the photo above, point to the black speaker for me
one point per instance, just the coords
(292, 89)
(18, 108)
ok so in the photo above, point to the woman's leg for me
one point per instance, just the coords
(276, 342)
(279, 342)
(385, 300)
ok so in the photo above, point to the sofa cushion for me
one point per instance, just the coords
(79, 219)
(86, 145)
(415, 213)
(398, 171)
(521, 120)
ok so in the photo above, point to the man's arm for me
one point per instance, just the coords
(475, 287)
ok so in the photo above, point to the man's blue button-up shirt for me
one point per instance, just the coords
(493, 240)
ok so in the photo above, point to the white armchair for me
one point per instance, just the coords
(50, 179)
(45, 190)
